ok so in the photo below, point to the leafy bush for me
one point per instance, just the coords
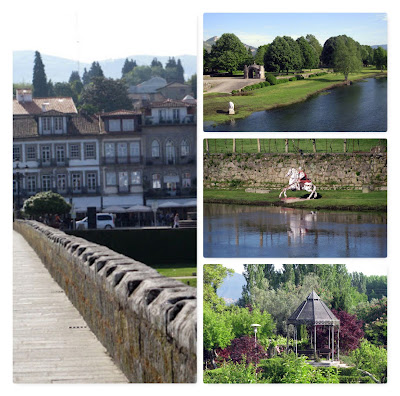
(271, 79)
(372, 359)
(299, 77)
(291, 369)
(292, 79)
(243, 348)
(232, 373)
(46, 203)
(282, 80)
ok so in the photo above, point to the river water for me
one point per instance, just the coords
(360, 107)
(250, 231)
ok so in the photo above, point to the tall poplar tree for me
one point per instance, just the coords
(39, 81)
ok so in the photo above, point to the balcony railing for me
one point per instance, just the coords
(189, 119)
(137, 159)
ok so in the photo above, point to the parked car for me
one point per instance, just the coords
(104, 221)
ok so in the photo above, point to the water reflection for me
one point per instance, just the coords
(248, 231)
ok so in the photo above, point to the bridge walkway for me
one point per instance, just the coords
(51, 341)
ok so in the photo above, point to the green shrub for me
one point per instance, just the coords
(299, 77)
(282, 80)
(271, 79)
(231, 373)
(292, 79)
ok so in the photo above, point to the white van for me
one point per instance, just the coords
(104, 221)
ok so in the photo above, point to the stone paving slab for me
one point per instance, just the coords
(51, 341)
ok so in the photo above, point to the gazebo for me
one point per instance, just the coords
(314, 312)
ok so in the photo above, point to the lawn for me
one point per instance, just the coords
(353, 200)
(278, 145)
(215, 104)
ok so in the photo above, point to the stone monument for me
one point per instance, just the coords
(231, 110)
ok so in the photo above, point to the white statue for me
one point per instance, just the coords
(231, 108)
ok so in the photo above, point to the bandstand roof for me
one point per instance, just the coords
(313, 311)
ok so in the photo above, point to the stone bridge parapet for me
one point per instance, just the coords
(147, 322)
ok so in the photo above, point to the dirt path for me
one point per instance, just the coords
(227, 84)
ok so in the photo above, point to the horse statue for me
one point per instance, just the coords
(298, 181)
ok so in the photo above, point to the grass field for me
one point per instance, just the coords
(217, 146)
(375, 201)
(215, 104)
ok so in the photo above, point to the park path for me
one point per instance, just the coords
(227, 84)
(51, 341)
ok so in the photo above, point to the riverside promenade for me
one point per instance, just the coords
(51, 341)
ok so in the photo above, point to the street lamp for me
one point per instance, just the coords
(255, 326)
(17, 177)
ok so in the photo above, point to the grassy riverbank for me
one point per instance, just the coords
(356, 201)
(216, 104)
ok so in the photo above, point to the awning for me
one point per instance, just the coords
(190, 204)
(138, 208)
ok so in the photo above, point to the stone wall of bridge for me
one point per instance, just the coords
(147, 322)
(327, 171)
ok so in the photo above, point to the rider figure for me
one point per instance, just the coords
(302, 177)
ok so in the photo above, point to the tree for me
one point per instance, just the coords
(350, 334)
(94, 71)
(228, 53)
(156, 63)
(259, 57)
(277, 56)
(46, 203)
(193, 84)
(295, 59)
(39, 80)
(180, 73)
(213, 276)
(74, 77)
(129, 65)
(347, 57)
(105, 94)
(309, 56)
(380, 58)
(367, 55)
(315, 44)
(372, 359)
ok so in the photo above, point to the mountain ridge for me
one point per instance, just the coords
(59, 69)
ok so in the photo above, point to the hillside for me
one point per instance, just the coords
(59, 69)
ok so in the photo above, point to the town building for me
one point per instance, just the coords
(117, 159)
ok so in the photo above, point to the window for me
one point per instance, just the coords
(60, 154)
(162, 115)
(122, 150)
(31, 153)
(45, 154)
(114, 125)
(46, 124)
(175, 114)
(134, 149)
(156, 180)
(128, 125)
(16, 153)
(31, 184)
(123, 182)
(46, 182)
(137, 177)
(185, 148)
(90, 151)
(170, 152)
(76, 182)
(155, 149)
(111, 178)
(91, 181)
(61, 183)
(74, 152)
(109, 149)
(58, 124)
(186, 180)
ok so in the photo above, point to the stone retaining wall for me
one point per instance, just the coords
(147, 322)
(327, 171)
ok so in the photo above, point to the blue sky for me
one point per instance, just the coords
(260, 29)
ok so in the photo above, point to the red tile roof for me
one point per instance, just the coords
(35, 107)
